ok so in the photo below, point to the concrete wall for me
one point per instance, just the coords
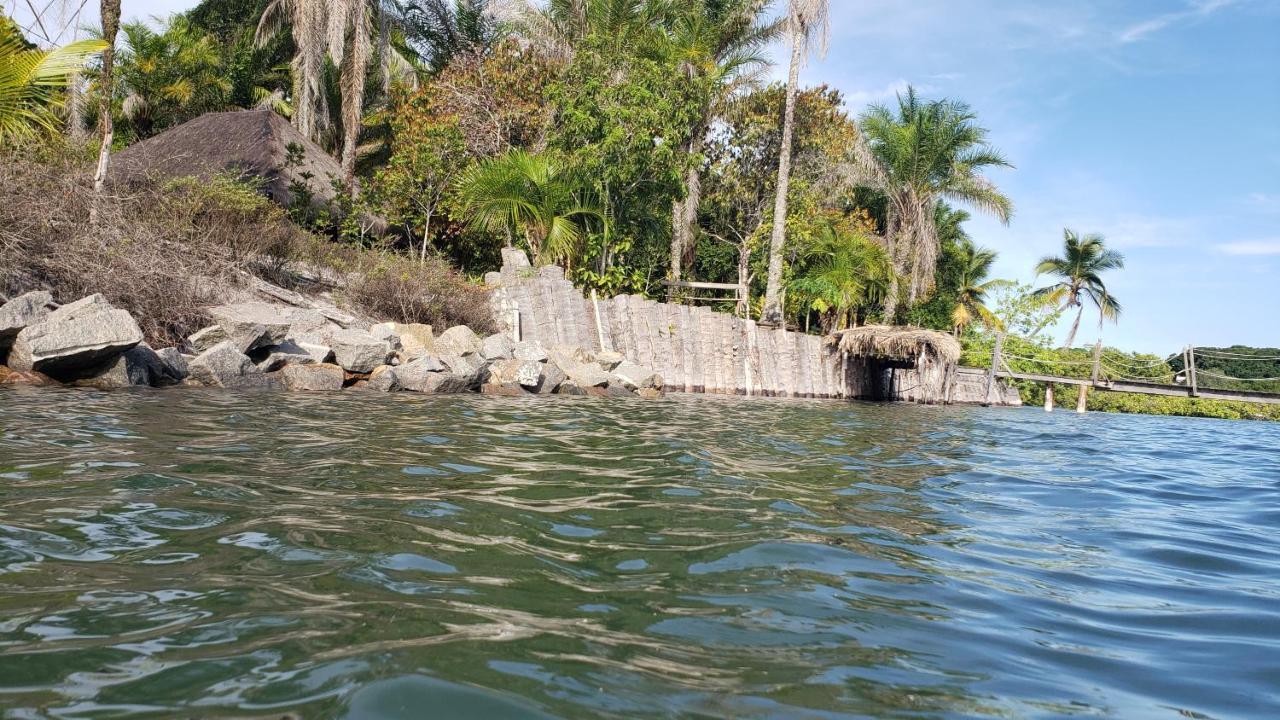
(695, 349)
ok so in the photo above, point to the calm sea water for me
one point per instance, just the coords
(208, 554)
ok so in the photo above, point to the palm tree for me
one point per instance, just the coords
(1079, 270)
(169, 76)
(806, 21)
(344, 32)
(110, 11)
(535, 197)
(975, 266)
(440, 30)
(31, 80)
(719, 44)
(842, 273)
(925, 152)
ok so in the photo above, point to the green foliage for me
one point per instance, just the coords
(31, 81)
(1187, 407)
(1079, 272)
(840, 274)
(1238, 367)
(168, 76)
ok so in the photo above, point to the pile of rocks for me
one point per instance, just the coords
(260, 345)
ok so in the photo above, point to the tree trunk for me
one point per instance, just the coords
(891, 237)
(426, 238)
(744, 278)
(772, 312)
(353, 82)
(1075, 327)
(110, 10)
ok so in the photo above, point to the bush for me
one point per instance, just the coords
(166, 253)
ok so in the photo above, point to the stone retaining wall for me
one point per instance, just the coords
(694, 348)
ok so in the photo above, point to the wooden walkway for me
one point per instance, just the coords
(1000, 369)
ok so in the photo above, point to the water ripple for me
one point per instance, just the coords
(219, 555)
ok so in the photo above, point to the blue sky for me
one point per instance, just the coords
(1153, 122)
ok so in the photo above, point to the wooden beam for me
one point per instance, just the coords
(703, 285)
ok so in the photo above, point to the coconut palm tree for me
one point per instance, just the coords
(440, 30)
(169, 75)
(532, 196)
(31, 81)
(344, 32)
(719, 44)
(926, 152)
(975, 266)
(1079, 270)
(806, 23)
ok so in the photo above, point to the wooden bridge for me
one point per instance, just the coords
(1190, 387)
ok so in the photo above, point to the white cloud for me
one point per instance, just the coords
(862, 98)
(1196, 10)
(1251, 247)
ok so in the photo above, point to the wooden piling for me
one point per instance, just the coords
(1048, 397)
(1082, 401)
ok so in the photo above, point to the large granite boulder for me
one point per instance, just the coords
(413, 339)
(432, 376)
(250, 326)
(175, 363)
(139, 366)
(290, 352)
(75, 338)
(358, 351)
(25, 377)
(20, 312)
(315, 377)
(384, 379)
(497, 347)
(515, 372)
(635, 377)
(529, 351)
(552, 377)
(459, 340)
(225, 366)
(202, 340)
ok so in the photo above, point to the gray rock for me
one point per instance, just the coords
(470, 367)
(316, 377)
(503, 389)
(587, 376)
(139, 366)
(19, 313)
(250, 326)
(75, 338)
(529, 351)
(358, 351)
(497, 347)
(175, 363)
(224, 366)
(459, 340)
(384, 379)
(520, 372)
(552, 377)
(429, 375)
(569, 387)
(206, 338)
(446, 383)
(608, 359)
(291, 353)
(387, 333)
(414, 340)
(635, 377)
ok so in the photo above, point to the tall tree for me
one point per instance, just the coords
(110, 26)
(308, 21)
(926, 152)
(718, 43)
(806, 22)
(1079, 270)
(168, 75)
(971, 296)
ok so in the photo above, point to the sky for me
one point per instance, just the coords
(1153, 122)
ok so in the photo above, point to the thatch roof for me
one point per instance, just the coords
(897, 343)
(249, 143)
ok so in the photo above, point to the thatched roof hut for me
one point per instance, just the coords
(896, 363)
(254, 144)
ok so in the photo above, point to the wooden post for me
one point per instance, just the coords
(1191, 370)
(1097, 361)
(1048, 397)
(995, 363)
(1082, 402)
